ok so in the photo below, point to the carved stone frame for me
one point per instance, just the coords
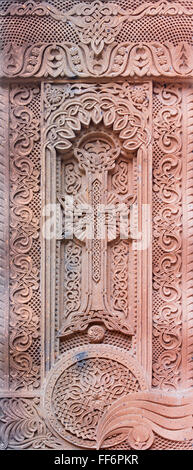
(143, 273)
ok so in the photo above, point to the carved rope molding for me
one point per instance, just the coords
(77, 61)
(188, 316)
(3, 233)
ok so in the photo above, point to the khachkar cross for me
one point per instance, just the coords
(96, 155)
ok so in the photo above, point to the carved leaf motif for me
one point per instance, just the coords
(23, 426)
(120, 123)
(109, 116)
(97, 115)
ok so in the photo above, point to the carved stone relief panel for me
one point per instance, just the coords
(80, 39)
(96, 316)
(97, 144)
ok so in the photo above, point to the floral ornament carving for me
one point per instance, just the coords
(22, 426)
(82, 385)
(167, 180)
(167, 324)
(99, 104)
(24, 276)
(168, 231)
(96, 334)
(167, 128)
(73, 61)
(161, 7)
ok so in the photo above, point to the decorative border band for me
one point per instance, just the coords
(69, 60)
(4, 204)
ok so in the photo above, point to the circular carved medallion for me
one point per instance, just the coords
(81, 386)
(141, 436)
(96, 334)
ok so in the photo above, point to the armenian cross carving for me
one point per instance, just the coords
(96, 155)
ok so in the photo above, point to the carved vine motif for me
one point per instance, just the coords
(71, 60)
(22, 426)
(82, 385)
(168, 231)
(24, 275)
(113, 104)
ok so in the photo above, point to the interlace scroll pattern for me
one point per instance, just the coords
(124, 107)
(167, 231)
(120, 253)
(120, 250)
(90, 396)
(83, 383)
(72, 277)
(96, 244)
(24, 275)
